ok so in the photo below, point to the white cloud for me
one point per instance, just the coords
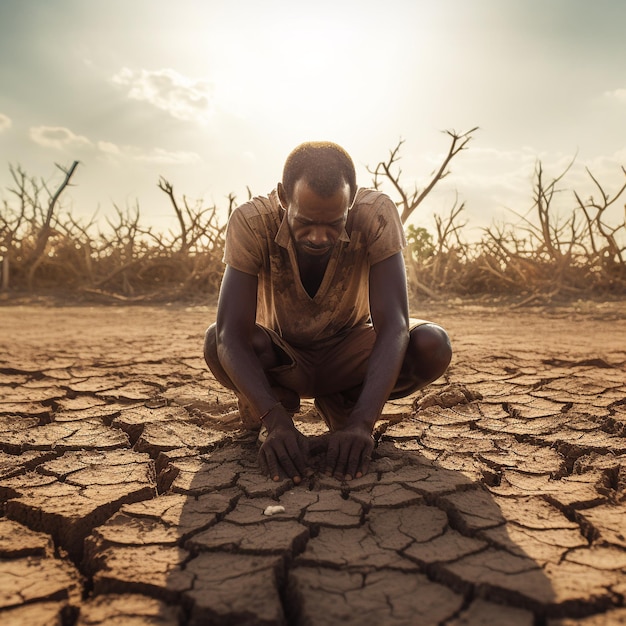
(182, 97)
(62, 138)
(108, 148)
(153, 155)
(5, 122)
(159, 155)
(617, 94)
(58, 137)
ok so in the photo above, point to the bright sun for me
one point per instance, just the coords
(301, 76)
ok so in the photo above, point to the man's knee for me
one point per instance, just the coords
(212, 359)
(210, 346)
(261, 344)
(432, 343)
(430, 351)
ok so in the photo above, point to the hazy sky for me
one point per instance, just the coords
(214, 94)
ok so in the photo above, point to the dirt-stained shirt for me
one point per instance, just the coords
(259, 242)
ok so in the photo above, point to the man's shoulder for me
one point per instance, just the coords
(370, 203)
(259, 206)
(367, 197)
(251, 228)
(376, 217)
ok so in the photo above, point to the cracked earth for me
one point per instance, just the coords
(129, 495)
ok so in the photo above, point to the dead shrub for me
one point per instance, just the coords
(542, 255)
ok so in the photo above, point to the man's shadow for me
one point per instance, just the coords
(411, 542)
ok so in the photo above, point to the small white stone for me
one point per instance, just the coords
(273, 510)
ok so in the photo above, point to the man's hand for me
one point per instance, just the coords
(349, 452)
(285, 451)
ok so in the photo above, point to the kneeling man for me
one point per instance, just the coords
(314, 304)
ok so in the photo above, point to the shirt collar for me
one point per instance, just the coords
(283, 236)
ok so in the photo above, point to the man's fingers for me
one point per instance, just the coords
(366, 457)
(298, 453)
(285, 462)
(332, 454)
(342, 461)
(365, 463)
(348, 454)
(354, 461)
(284, 453)
(269, 459)
(263, 463)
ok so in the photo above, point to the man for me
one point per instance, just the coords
(313, 303)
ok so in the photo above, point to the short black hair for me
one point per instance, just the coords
(324, 165)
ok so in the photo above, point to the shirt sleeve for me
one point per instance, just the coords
(385, 235)
(242, 249)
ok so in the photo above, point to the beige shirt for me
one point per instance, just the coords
(258, 242)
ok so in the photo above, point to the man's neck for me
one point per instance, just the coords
(312, 269)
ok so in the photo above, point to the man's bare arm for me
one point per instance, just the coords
(350, 449)
(236, 326)
(284, 450)
(389, 309)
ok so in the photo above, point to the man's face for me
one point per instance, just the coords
(316, 223)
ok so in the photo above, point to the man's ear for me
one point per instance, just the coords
(353, 197)
(282, 196)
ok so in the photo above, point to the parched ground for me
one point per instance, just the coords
(128, 495)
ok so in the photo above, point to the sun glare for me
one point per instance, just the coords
(298, 73)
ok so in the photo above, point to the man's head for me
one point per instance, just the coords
(318, 187)
(325, 166)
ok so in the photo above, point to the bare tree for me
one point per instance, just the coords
(594, 212)
(168, 188)
(545, 253)
(12, 220)
(389, 170)
(31, 215)
(46, 230)
(196, 223)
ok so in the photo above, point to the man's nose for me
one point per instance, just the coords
(318, 236)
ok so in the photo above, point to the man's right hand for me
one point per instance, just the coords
(285, 450)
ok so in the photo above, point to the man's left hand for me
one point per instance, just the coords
(349, 452)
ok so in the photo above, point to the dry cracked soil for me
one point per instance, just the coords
(130, 496)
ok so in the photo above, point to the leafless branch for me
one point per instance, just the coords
(410, 200)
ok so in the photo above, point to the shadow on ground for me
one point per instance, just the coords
(410, 543)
